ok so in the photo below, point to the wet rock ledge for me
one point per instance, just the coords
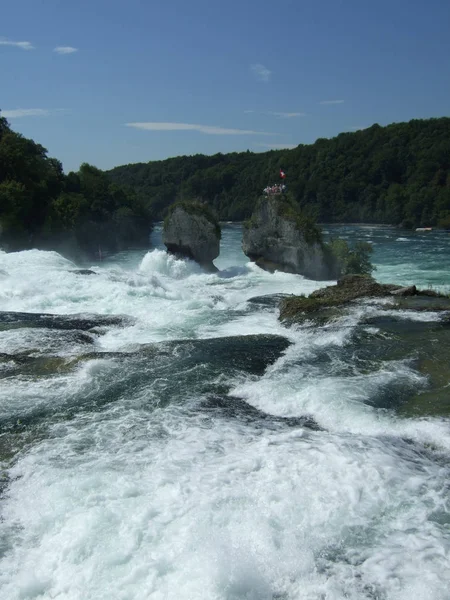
(325, 302)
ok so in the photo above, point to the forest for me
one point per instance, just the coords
(40, 206)
(398, 174)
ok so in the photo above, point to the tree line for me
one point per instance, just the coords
(399, 175)
(40, 206)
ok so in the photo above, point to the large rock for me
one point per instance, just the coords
(88, 240)
(278, 238)
(192, 231)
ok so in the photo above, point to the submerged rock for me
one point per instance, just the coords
(83, 272)
(83, 322)
(191, 231)
(422, 346)
(35, 366)
(251, 353)
(269, 300)
(158, 374)
(231, 407)
(277, 237)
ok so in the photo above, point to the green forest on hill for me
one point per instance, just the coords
(399, 174)
(40, 206)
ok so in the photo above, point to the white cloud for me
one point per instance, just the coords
(25, 112)
(22, 45)
(287, 146)
(65, 50)
(208, 129)
(18, 113)
(261, 72)
(286, 115)
(332, 102)
(279, 115)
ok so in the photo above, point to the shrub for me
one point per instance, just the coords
(348, 260)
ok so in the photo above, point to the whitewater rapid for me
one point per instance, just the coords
(169, 466)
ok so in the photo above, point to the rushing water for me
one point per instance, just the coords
(201, 450)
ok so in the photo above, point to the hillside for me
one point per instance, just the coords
(395, 174)
(77, 213)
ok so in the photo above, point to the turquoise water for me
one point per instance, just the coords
(402, 256)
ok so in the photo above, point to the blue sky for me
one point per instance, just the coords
(115, 82)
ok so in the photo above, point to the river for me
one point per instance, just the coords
(198, 449)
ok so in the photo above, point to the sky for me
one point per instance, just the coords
(114, 82)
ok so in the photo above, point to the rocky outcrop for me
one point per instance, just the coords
(325, 304)
(278, 238)
(191, 231)
(88, 239)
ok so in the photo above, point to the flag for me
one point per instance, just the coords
(282, 174)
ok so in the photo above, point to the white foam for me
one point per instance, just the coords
(208, 511)
(114, 498)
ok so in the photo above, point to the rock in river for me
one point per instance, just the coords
(192, 231)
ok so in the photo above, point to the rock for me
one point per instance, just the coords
(278, 238)
(405, 291)
(233, 407)
(83, 322)
(322, 303)
(351, 287)
(83, 272)
(191, 231)
(15, 365)
(424, 302)
(269, 300)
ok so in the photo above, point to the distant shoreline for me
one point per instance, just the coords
(361, 225)
(372, 225)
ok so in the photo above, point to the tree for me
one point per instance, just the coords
(349, 260)
(38, 201)
(380, 175)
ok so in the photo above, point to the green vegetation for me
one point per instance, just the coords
(198, 209)
(354, 260)
(399, 174)
(39, 203)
